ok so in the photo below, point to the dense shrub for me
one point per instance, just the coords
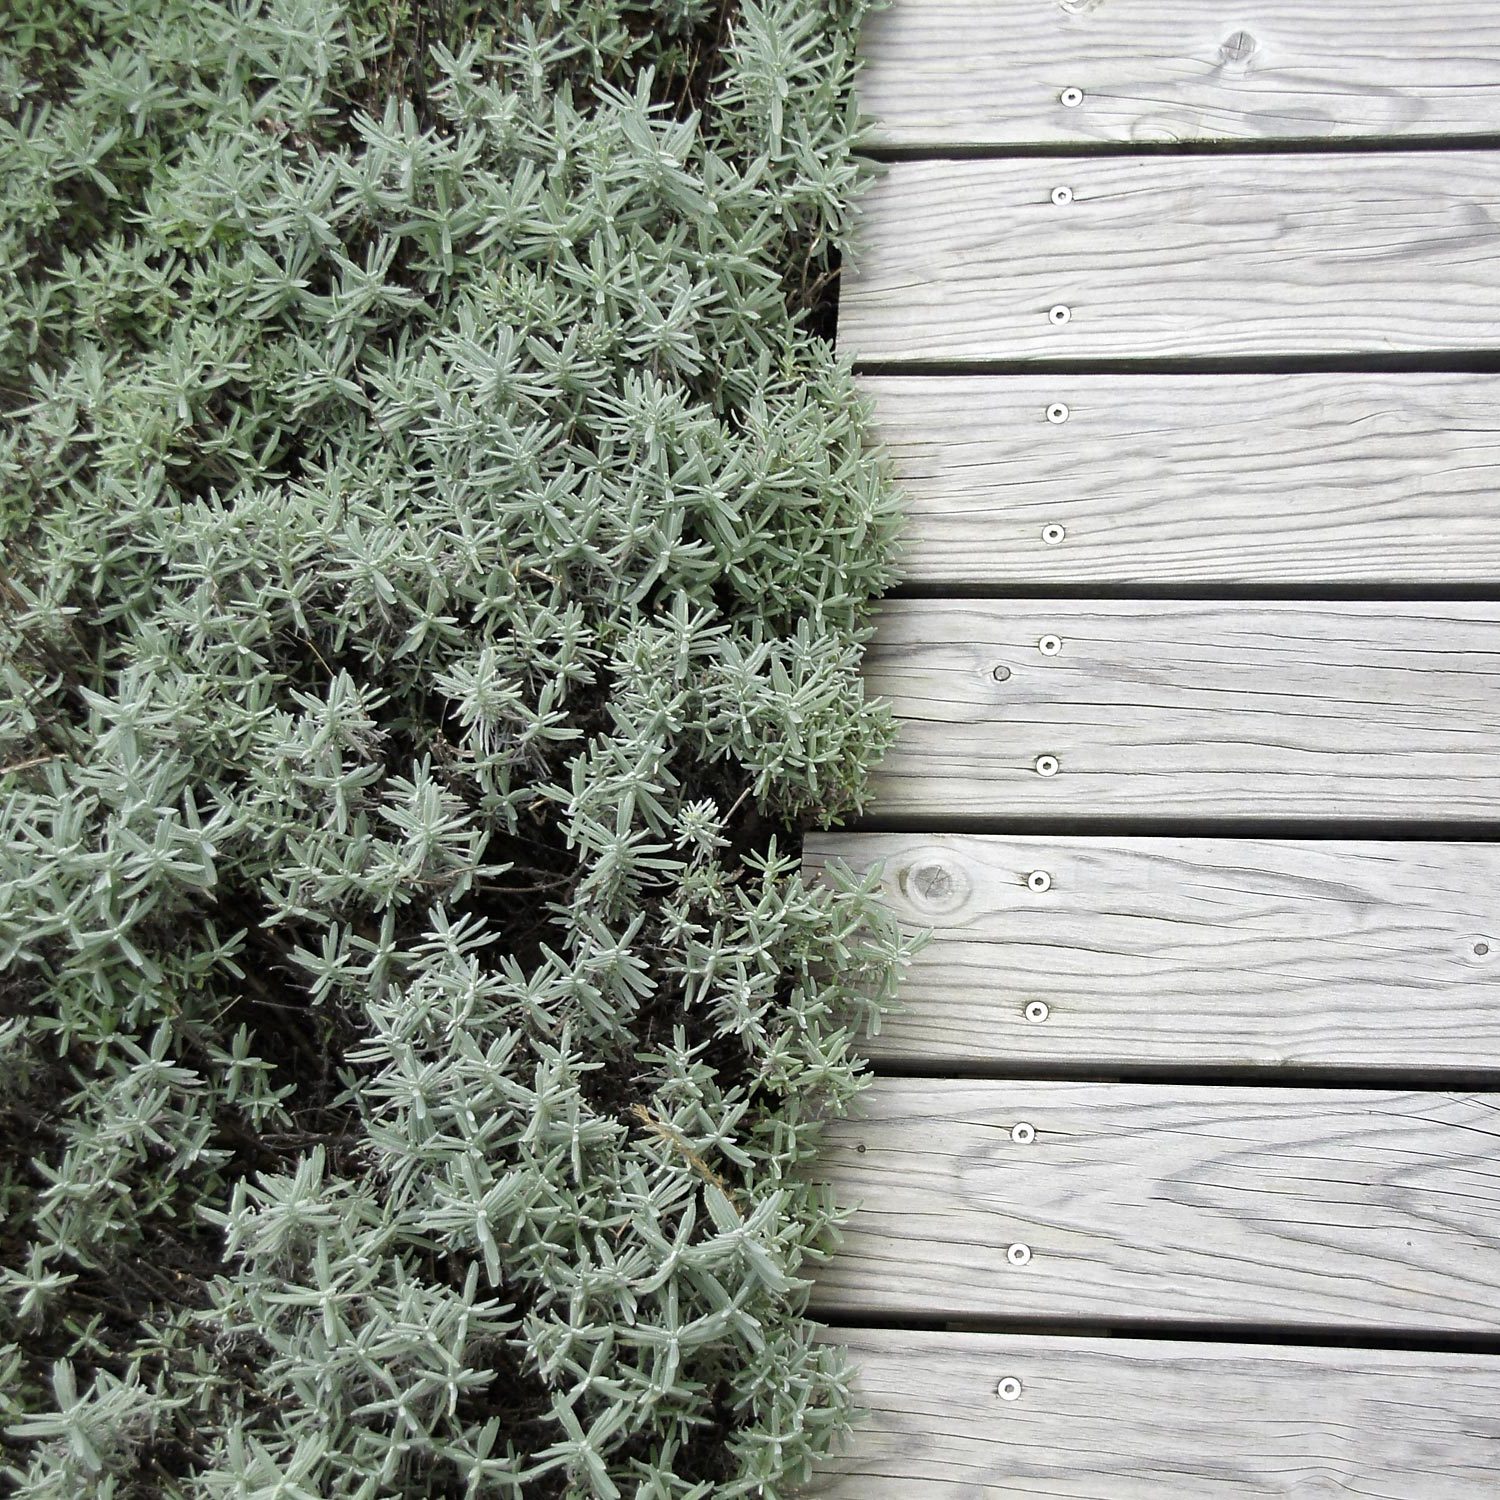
(437, 555)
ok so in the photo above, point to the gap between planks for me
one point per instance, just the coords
(1328, 147)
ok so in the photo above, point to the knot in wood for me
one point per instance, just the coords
(1238, 49)
(934, 885)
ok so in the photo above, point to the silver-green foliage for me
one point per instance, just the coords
(437, 559)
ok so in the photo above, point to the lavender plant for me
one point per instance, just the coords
(438, 549)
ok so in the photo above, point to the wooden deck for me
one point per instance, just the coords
(1180, 1173)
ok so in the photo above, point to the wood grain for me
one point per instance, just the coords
(1200, 256)
(1189, 952)
(1177, 708)
(1177, 479)
(945, 73)
(1287, 1207)
(1131, 1419)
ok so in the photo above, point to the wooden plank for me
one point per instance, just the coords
(945, 73)
(1189, 952)
(1187, 479)
(1289, 1207)
(1199, 256)
(1177, 708)
(1131, 1419)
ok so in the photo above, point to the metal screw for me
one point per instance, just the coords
(1000, 674)
(1049, 645)
(1057, 412)
(1053, 534)
(1039, 880)
(1062, 196)
(1046, 765)
(1036, 1011)
(1071, 98)
(1009, 1389)
(1022, 1133)
(1018, 1255)
(1060, 314)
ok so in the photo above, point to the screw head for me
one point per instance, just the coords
(1481, 950)
(1039, 880)
(1009, 1389)
(1046, 765)
(1049, 645)
(1018, 1255)
(1057, 413)
(1036, 1011)
(1000, 674)
(1053, 534)
(1070, 98)
(1062, 196)
(1022, 1133)
(1060, 314)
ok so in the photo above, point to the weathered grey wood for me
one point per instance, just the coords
(1200, 256)
(1184, 479)
(1189, 952)
(1172, 708)
(949, 73)
(1129, 1419)
(1288, 1207)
